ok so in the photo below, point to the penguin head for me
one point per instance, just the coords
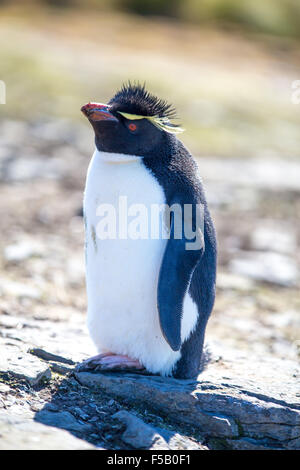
(134, 122)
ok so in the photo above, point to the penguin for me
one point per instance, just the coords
(149, 297)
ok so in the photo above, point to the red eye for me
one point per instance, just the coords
(132, 127)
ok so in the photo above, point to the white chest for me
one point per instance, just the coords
(123, 207)
(123, 260)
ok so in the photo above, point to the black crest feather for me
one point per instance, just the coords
(133, 98)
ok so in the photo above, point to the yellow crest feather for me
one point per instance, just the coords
(162, 123)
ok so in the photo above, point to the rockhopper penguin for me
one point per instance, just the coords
(149, 297)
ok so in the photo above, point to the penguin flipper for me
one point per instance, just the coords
(178, 264)
(202, 290)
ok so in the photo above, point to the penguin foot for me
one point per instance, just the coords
(91, 363)
(110, 361)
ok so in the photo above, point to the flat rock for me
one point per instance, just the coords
(236, 398)
(18, 364)
(18, 433)
(63, 342)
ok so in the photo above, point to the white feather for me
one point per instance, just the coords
(122, 274)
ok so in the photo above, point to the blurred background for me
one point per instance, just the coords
(229, 68)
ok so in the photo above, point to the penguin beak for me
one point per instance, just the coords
(98, 112)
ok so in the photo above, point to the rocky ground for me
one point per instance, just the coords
(248, 395)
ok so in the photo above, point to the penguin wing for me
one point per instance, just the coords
(180, 259)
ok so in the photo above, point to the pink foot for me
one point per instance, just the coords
(92, 362)
(109, 361)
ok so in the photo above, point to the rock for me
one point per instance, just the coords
(268, 267)
(60, 369)
(139, 434)
(166, 396)
(17, 433)
(144, 436)
(81, 414)
(47, 356)
(56, 342)
(236, 398)
(61, 419)
(18, 364)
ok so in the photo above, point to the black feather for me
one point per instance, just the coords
(133, 98)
